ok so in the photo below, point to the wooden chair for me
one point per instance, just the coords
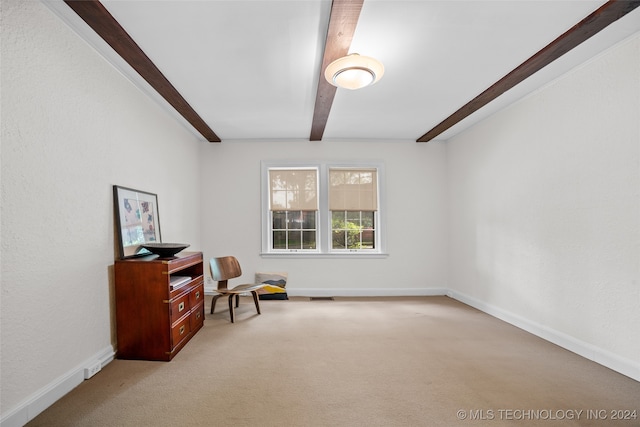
(222, 270)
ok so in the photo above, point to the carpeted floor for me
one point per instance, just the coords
(420, 361)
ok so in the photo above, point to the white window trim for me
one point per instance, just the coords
(324, 220)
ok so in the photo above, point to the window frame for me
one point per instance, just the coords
(323, 218)
(269, 212)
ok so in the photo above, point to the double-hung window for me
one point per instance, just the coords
(293, 209)
(353, 204)
(322, 208)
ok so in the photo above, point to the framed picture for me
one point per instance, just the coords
(137, 220)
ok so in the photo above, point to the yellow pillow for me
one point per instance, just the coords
(273, 289)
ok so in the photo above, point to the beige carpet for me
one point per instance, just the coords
(423, 361)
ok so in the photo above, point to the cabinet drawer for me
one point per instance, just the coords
(196, 296)
(180, 330)
(179, 307)
(197, 316)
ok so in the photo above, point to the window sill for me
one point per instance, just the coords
(323, 255)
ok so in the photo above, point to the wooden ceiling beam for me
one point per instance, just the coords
(104, 24)
(589, 26)
(342, 26)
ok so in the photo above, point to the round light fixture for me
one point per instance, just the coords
(354, 71)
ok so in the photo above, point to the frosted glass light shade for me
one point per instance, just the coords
(354, 71)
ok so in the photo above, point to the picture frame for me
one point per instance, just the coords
(137, 220)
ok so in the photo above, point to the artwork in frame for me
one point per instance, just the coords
(137, 220)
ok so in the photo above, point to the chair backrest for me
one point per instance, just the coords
(224, 268)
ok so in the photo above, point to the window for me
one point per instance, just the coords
(322, 209)
(293, 208)
(353, 202)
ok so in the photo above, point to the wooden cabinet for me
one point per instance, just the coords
(159, 304)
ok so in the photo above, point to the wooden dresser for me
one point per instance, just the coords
(159, 304)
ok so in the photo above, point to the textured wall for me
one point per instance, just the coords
(545, 206)
(72, 127)
(544, 202)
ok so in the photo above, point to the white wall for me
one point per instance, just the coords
(415, 217)
(544, 202)
(72, 127)
(542, 224)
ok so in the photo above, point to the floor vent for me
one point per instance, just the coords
(321, 298)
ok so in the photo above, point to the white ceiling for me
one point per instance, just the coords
(250, 69)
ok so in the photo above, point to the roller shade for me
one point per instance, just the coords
(293, 189)
(353, 189)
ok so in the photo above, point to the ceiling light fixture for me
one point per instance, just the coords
(354, 71)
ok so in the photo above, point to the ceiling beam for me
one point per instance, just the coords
(342, 26)
(105, 25)
(589, 26)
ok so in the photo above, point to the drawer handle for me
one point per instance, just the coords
(198, 295)
(181, 329)
(197, 315)
(181, 306)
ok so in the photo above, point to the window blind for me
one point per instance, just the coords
(293, 189)
(353, 190)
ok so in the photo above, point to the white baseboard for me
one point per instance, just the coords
(45, 397)
(371, 292)
(612, 361)
(29, 408)
(356, 292)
